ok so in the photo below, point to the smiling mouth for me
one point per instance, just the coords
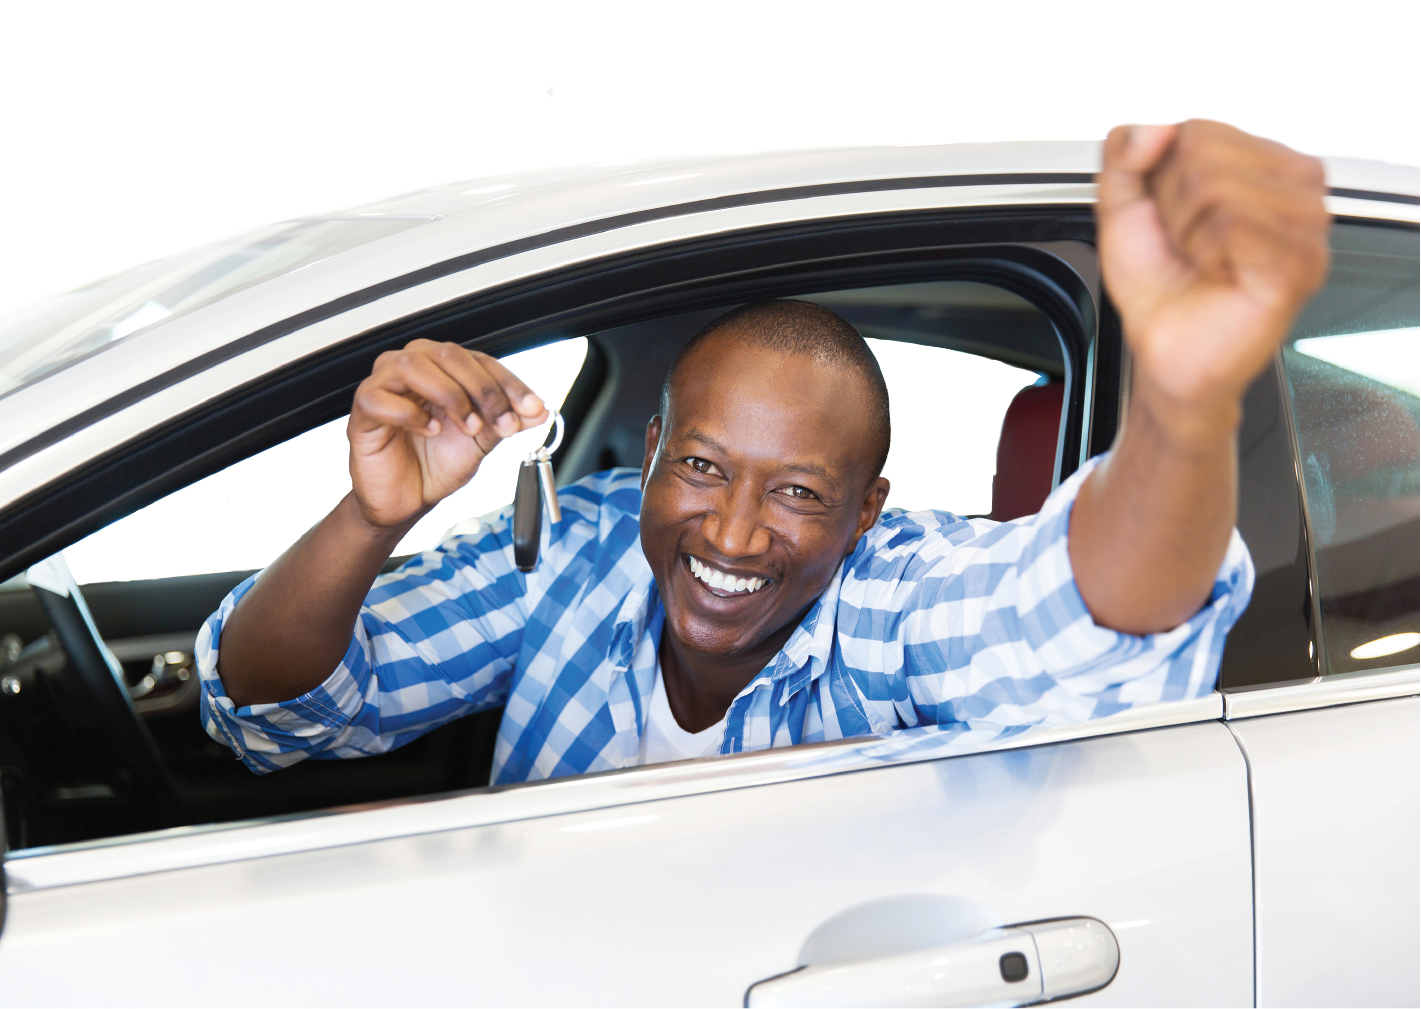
(722, 583)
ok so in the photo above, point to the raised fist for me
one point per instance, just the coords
(1211, 241)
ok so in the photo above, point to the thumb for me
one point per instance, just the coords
(1129, 155)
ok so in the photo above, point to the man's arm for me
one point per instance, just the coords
(419, 427)
(1210, 242)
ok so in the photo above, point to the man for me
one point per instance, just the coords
(743, 590)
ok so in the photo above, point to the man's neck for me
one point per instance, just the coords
(700, 687)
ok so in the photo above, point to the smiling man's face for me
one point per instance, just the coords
(761, 482)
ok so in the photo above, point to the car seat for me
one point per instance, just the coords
(1026, 451)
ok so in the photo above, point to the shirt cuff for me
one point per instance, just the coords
(1118, 668)
(267, 737)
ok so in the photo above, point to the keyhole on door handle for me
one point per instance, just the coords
(1013, 967)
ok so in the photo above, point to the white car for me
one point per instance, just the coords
(165, 431)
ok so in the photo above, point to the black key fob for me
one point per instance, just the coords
(527, 517)
(535, 486)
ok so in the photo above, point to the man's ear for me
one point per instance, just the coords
(871, 508)
(653, 439)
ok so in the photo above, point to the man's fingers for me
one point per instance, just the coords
(494, 398)
(524, 401)
(1214, 167)
(1279, 203)
(1227, 201)
(1129, 155)
(1206, 150)
(481, 396)
(376, 407)
(415, 372)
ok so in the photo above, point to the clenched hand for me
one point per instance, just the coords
(419, 428)
(1211, 241)
(422, 423)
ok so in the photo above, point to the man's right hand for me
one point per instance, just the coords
(423, 422)
(419, 428)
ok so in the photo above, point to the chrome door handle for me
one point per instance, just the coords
(1012, 966)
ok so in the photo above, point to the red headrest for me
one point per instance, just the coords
(1026, 452)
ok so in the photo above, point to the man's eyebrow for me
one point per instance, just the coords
(693, 434)
(808, 468)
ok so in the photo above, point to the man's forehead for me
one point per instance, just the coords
(802, 413)
(729, 357)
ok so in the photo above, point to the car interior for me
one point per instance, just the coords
(66, 775)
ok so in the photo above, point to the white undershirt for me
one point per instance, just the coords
(665, 740)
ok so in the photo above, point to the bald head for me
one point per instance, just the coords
(802, 329)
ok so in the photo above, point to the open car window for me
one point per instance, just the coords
(956, 356)
(243, 517)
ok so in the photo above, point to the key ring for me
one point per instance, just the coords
(552, 441)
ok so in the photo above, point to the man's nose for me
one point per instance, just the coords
(733, 525)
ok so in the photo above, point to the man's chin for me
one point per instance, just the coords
(713, 639)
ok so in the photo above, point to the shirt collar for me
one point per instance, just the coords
(634, 615)
(805, 655)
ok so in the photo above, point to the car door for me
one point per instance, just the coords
(1332, 744)
(684, 884)
(691, 883)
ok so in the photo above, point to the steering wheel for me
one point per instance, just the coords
(100, 695)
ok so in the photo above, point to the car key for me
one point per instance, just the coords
(535, 485)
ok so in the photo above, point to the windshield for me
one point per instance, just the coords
(47, 335)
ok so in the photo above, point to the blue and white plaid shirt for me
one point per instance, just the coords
(932, 620)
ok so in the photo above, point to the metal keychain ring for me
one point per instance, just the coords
(557, 429)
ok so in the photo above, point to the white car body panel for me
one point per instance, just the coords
(1336, 828)
(688, 901)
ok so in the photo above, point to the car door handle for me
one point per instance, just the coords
(1011, 966)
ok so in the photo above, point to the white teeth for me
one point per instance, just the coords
(720, 580)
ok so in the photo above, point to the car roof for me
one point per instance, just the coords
(415, 231)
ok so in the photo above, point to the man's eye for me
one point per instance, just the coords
(701, 465)
(801, 493)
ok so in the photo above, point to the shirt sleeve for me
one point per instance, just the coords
(998, 638)
(436, 639)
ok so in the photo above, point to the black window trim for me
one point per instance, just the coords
(1368, 194)
(1285, 395)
